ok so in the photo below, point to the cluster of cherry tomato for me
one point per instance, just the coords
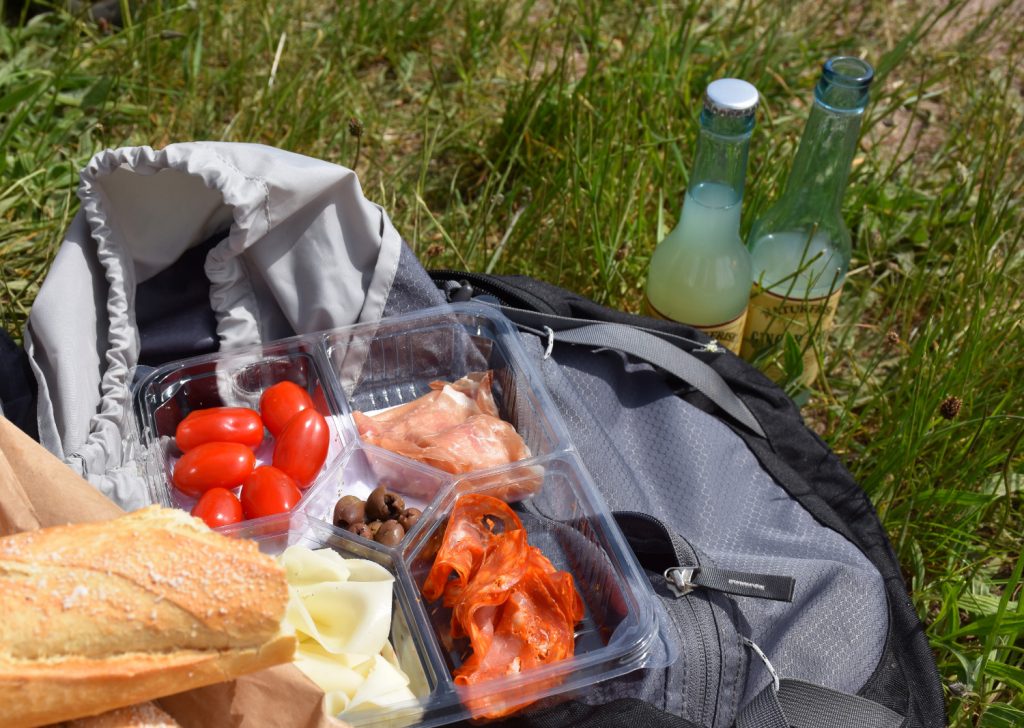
(218, 456)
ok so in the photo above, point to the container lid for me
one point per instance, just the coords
(731, 97)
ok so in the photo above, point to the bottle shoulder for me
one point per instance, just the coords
(678, 246)
(708, 226)
(781, 218)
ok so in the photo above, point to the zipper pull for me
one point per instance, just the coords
(463, 293)
(684, 579)
(653, 542)
(680, 580)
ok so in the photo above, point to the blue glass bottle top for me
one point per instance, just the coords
(844, 83)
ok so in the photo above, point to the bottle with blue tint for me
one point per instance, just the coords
(800, 248)
(700, 273)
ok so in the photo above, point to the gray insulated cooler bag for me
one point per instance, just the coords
(783, 596)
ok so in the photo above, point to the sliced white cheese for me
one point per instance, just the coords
(342, 623)
(346, 616)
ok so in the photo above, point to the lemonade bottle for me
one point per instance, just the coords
(700, 273)
(800, 248)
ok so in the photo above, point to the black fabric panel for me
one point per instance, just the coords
(17, 386)
(906, 679)
(616, 714)
(172, 310)
(411, 288)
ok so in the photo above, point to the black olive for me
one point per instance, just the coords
(409, 518)
(383, 504)
(348, 511)
(376, 505)
(390, 533)
(361, 529)
(396, 504)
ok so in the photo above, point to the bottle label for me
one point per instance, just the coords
(728, 334)
(771, 316)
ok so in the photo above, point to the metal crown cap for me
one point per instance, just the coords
(731, 97)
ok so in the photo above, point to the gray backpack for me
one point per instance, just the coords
(785, 599)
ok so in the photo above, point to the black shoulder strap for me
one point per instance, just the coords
(17, 386)
(798, 704)
(646, 346)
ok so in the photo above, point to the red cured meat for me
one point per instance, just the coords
(516, 609)
(474, 520)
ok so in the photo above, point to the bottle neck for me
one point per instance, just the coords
(821, 168)
(723, 145)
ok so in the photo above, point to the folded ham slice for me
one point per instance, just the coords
(476, 386)
(455, 427)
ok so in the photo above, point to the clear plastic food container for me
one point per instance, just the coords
(169, 394)
(368, 369)
(415, 652)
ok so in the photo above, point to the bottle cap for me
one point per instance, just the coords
(731, 97)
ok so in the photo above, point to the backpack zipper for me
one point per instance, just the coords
(688, 573)
(504, 292)
(700, 600)
(698, 629)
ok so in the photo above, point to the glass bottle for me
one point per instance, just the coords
(800, 248)
(700, 273)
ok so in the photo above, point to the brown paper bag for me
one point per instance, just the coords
(37, 490)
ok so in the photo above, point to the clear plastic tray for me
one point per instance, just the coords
(167, 395)
(371, 367)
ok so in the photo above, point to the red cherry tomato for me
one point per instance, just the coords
(301, 448)
(267, 491)
(218, 507)
(280, 403)
(213, 465)
(220, 424)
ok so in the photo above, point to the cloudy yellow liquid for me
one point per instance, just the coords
(700, 273)
(797, 282)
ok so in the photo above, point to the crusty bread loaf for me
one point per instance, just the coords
(144, 715)
(97, 616)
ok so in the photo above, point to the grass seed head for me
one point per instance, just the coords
(950, 407)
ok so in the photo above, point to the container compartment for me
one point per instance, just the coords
(575, 532)
(366, 468)
(384, 365)
(237, 379)
(413, 646)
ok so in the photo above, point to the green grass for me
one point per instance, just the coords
(554, 139)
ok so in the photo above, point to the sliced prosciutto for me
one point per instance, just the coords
(480, 442)
(455, 427)
(435, 411)
(476, 386)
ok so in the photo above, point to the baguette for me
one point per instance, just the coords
(98, 616)
(144, 715)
